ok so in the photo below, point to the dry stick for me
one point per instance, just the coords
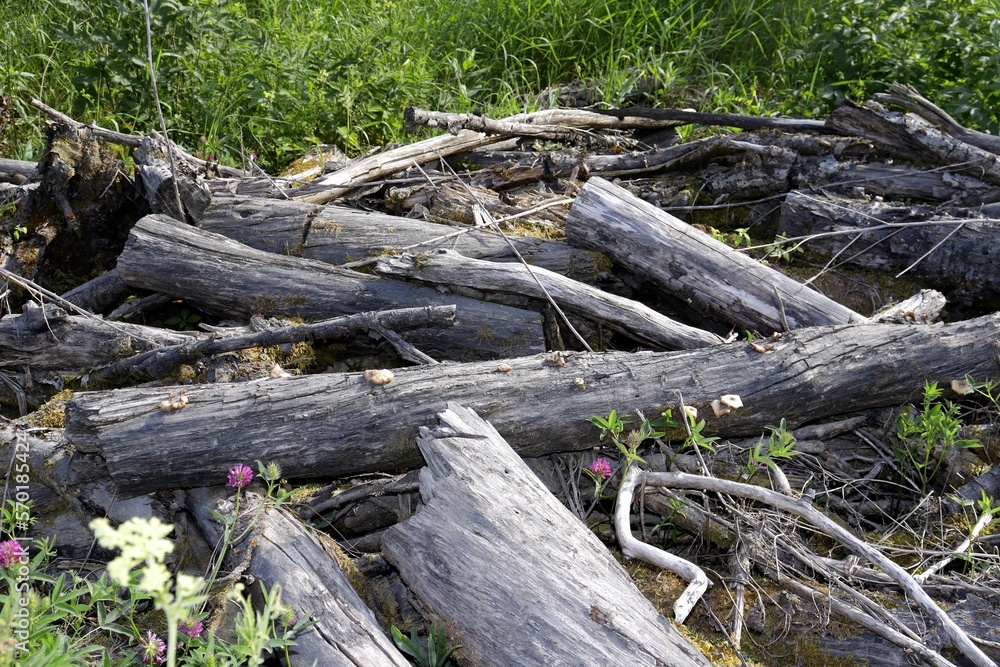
(159, 112)
(865, 620)
(480, 214)
(698, 582)
(821, 522)
(984, 521)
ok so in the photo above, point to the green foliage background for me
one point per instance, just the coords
(273, 78)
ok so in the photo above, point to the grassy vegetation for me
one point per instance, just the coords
(273, 78)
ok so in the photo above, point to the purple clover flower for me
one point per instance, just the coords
(239, 476)
(11, 552)
(601, 468)
(152, 648)
(193, 630)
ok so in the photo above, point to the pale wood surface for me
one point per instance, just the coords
(692, 266)
(516, 577)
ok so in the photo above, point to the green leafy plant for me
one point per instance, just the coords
(613, 428)
(924, 436)
(435, 654)
(75, 621)
(696, 437)
(185, 320)
(779, 445)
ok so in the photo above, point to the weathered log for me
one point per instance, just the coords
(170, 183)
(541, 405)
(497, 570)
(164, 360)
(218, 275)
(48, 338)
(332, 186)
(908, 98)
(721, 119)
(100, 293)
(692, 266)
(630, 318)
(913, 138)
(337, 234)
(455, 122)
(308, 566)
(956, 254)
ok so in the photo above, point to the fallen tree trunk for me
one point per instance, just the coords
(955, 254)
(337, 235)
(628, 317)
(522, 568)
(281, 550)
(48, 338)
(913, 138)
(328, 426)
(218, 275)
(692, 266)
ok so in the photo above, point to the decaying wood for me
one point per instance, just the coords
(99, 294)
(630, 318)
(129, 139)
(308, 566)
(455, 122)
(153, 169)
(332, 186)
(955, 253)
(161, 361)
(693, 267)
(684, 116)
(908, 98)
(924, 306)
(219, 275)
(337, 235)
(48, 338)
(914, 139)
(523, 567)
(541, 405)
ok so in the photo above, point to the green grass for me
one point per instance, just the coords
(273, 78)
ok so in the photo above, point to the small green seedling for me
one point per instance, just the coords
(437, 653)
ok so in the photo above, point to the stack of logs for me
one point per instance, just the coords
(474, 300)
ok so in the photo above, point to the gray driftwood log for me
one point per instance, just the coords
(517, 579)
(628, 317)
(337, 234)
(913, 138)
(222, 276)
(333, 425)
(307, 564)
(48, 338)
(692, 266)
(957, 254)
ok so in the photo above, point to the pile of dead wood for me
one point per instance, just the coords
(466, 303)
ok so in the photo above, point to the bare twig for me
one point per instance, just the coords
(948, 628)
